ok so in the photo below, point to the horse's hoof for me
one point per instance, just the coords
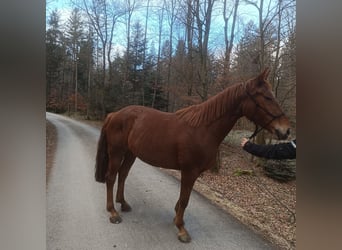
(126, 208)
(185, 238)
(115, 219)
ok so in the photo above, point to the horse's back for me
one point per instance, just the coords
(134, 121)
(150, 134)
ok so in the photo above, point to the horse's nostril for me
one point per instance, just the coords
(281, 135)
(288, 131)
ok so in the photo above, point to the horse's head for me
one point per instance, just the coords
(261, 107)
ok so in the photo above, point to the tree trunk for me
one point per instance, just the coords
(216, 168)
(76, 83)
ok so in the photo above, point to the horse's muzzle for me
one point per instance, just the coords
(282, 135)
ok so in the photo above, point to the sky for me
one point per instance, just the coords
(245, 14)
(64, 7)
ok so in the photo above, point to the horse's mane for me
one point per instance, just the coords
(212, 109)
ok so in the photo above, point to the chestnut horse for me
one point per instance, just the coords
(186, 140)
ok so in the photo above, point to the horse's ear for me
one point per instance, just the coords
(263, 76)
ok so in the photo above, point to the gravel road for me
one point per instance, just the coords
(77, 218)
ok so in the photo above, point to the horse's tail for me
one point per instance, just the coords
(101, 158)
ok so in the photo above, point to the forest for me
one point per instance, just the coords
(165, 54)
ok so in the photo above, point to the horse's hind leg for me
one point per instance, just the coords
(123, 172)
(114, 165)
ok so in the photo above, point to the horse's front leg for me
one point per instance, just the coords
(187, 182)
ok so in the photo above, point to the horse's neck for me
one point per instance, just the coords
(221, 126)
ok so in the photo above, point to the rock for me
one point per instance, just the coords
(280, 170)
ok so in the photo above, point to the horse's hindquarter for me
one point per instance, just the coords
(162, 140)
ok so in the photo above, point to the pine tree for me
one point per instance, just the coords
(54, 63)
(136, 63)
(75, 35)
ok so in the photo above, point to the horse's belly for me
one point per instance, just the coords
(155, 139)
(157, 150)
(158, 163)
(162, 156)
